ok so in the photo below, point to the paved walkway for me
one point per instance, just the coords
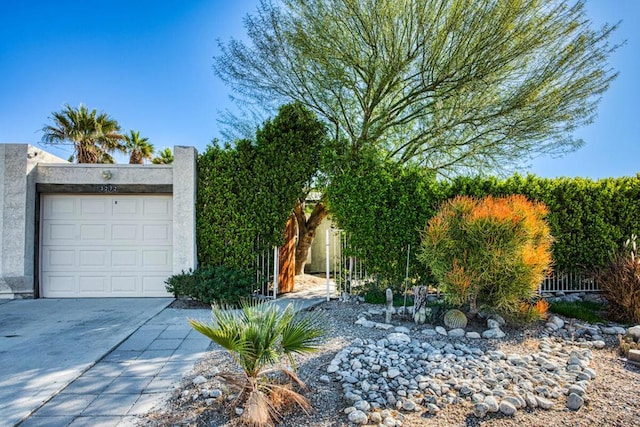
(45, 344)
(140, 373)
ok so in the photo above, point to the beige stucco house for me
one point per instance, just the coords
(77, 230)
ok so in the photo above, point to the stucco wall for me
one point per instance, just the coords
(316, 261)
(17, 214)
(24, 168)
(4, 288)
(13, 220)
(184, 220)
(73, 174)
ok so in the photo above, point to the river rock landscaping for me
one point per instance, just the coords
(562, 372)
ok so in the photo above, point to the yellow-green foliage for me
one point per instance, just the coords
(588, 219)
(492, 252)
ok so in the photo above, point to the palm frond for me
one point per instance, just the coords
(303, 334)
(94, 136)
(226, 338)
(282, 395)
(258, 335)
(294, 377)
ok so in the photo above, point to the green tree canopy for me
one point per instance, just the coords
(246, 192)
(163, 157)
(137, 147)
(450, 84)
(94, 136)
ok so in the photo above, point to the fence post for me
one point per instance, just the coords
(275, 272)
(350, 273)
(406, 280)
(326, 247)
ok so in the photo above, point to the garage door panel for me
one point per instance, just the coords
(57, 232)
(105, 245)
(59, 258)
(124, 258)
(156, 207)
(124, 232)
(95, 232)
(154, 285)
(156, 233)
(60, 208)
(155, 258)
(90, 284)
(122, 206)
(93, 206)
(60, 284)
(92, 258)
(124, 284)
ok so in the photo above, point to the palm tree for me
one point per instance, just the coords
(257, 336)
(93, 136)
(138, 148)
(164, 157)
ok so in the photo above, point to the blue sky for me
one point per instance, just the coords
(148, 64)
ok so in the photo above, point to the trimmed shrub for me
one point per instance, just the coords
(382, 206)
(490, 252)
(246, 192)
(220, 284)
(620, 283)
(588, 219)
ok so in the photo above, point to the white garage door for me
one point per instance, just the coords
(105, 245)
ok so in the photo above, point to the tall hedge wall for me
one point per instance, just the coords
(588, 218)
(247, 191)
(385, 206)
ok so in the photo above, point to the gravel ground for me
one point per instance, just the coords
(613, 395)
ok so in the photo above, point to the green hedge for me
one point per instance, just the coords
(247, 191)
(588, 219)
(384, 206)
(217, 284)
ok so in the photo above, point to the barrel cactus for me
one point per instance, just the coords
(455, 319)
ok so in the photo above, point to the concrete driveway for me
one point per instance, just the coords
(47, 343)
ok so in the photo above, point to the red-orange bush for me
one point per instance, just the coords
(491, 252)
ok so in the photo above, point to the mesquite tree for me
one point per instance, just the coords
(452, 85)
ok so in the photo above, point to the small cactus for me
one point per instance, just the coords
(627, 343)
(422, 315)
(455, 319)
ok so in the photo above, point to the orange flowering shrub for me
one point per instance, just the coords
(491, 252)
(532, 311)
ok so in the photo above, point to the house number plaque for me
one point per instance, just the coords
(108, 189)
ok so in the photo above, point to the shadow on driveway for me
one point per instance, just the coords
(47, 343)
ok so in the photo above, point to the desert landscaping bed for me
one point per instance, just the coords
(417, 377)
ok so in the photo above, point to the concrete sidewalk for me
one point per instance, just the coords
(139, 374)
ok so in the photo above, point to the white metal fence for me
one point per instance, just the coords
(266, 267)
(349, 272)
(568, 282)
